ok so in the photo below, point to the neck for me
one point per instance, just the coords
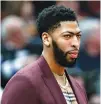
(54, 66)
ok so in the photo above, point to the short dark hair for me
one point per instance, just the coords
(50, 18)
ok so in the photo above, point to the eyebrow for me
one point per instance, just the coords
(71, 32)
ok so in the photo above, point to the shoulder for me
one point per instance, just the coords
(25, 77)
(19, 90)
(23, 85)
(30, 71)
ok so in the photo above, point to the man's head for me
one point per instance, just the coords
(58, 28)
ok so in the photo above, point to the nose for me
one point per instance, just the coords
(75, 42)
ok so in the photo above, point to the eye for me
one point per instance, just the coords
(67, 36)
(79, 35)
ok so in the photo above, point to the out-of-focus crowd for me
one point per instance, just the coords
(21, 44)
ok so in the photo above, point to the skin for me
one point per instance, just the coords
(67, 38)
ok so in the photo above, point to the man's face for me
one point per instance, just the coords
(66, 43)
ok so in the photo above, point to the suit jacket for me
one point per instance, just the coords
(35, 84)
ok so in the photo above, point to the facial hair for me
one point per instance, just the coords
(60, 56)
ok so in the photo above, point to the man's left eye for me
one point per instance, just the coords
(79, 36)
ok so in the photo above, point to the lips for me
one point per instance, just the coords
(73, 54)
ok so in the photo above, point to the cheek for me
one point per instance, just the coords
(64, 44)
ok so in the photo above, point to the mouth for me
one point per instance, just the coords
(73, 54)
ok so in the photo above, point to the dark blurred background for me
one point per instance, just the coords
(21, 44)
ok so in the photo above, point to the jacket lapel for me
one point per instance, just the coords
(76, 89)
(51, 82)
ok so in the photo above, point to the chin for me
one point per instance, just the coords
(71, 60)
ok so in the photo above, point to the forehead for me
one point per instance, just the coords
(71, 26)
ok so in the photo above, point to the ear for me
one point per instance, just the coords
(46, 39)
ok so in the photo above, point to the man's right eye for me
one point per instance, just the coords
(67, 36)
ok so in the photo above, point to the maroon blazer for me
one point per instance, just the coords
(35, 84)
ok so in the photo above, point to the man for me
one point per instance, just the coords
(46, 81)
